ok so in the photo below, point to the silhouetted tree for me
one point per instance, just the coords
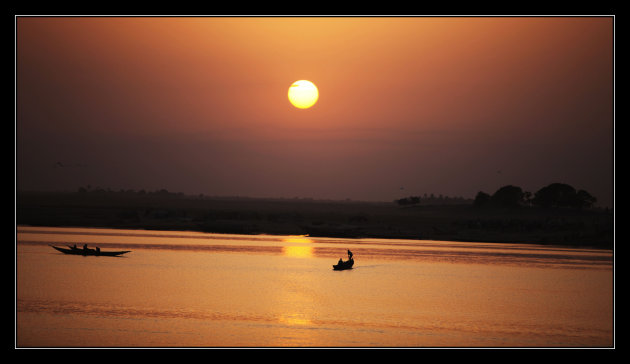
(562, 195)
(412, 200)
(482, 199)
(508, 196)
(585, 199)
(553, 195)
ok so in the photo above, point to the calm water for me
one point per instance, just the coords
(187, 289)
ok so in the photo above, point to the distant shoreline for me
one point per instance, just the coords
(335, 219)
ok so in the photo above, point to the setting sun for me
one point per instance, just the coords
(303, 94)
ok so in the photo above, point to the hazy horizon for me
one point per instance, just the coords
(407, 106)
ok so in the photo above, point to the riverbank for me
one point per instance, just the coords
(347, 219)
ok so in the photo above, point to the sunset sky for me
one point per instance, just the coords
(406, 106)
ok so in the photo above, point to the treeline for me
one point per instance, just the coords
(555, 195)
(432, 200)
(130, 192)
(441, 218)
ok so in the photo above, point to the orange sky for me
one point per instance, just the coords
(199, 105)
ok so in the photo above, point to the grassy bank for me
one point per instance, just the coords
(316, 218)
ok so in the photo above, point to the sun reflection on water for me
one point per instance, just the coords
(297, 319)
(302, 249)
(302, 239)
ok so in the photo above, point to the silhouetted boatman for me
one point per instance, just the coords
(349, 254)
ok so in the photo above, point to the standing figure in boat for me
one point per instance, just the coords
(341, 265)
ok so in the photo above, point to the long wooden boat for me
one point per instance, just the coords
(344, 265)
(80, 251)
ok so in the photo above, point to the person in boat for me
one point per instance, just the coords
(74, 246)
(349, 255)
(85, 247)
(340, 262)
(98, 250)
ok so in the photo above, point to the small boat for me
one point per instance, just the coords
(344, 265)
(95, 252)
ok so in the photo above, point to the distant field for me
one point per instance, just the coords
(317, 218)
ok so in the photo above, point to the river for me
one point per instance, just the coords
(190, 289)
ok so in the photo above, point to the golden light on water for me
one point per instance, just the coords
(303, 239)
(298, 251)
(420, 293)
(296, 319)
(303, 249)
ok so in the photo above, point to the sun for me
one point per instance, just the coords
(303, 94)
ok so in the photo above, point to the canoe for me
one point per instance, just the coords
(80, 251)
(344, 265)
